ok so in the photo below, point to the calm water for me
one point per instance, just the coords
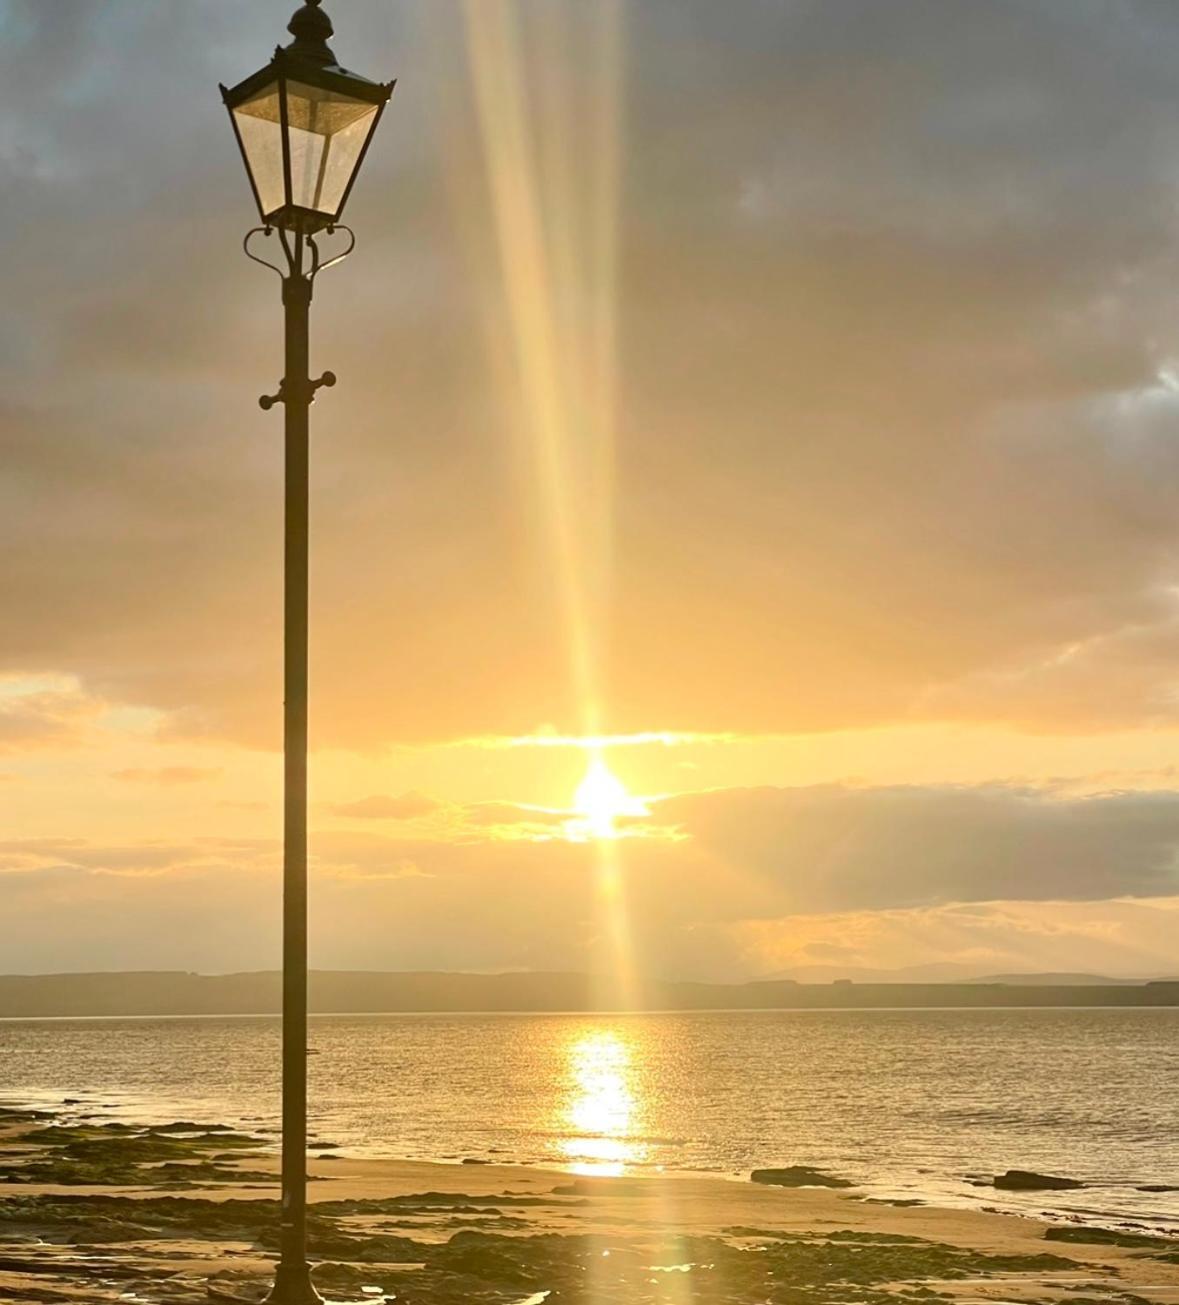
(911, 1103)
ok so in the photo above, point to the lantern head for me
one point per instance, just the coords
(303, 124)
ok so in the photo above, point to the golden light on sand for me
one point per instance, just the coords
(600, 801)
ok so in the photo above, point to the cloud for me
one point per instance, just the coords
(409, 806)
(52, 857)
(760, 880)
(832, 848)
(166, 776)
(894, 435)
(750, 853)
(548, 738)
(1133, 939)
(478, 822)
(44, 712)
(513, 813)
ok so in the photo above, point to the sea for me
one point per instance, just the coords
(909, 1105)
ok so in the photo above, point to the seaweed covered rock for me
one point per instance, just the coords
(797, 1176)
(1026, 1180)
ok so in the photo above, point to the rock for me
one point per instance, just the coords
(187, 1126)
(797, 1176)
(1156, 1187)
(1105, 1237)
(470, 1160)
(1025, 1180)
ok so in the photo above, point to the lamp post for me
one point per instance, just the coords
(303, 125)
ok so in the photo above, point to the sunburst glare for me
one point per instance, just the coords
(601, 801)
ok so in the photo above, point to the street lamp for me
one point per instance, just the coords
(303, 125)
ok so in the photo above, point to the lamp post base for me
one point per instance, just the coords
(293, 1286)
(290, 1288)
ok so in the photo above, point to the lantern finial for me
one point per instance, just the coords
(312, 29)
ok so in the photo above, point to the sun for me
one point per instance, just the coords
(601, 798)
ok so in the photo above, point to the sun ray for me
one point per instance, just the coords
(551, 137)
(552, 167)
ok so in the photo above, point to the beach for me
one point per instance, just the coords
(110, 1212)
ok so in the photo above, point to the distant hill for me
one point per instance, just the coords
(937, 972)
(159, 993)
(944, 972)
(1056, 980)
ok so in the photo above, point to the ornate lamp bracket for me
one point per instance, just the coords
(298, 265)
(284, 395)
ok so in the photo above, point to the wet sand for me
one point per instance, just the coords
(430, 1234)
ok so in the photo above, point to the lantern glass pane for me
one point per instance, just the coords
(260, 126)
(328, 131)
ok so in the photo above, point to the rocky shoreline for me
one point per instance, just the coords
(94, 1210)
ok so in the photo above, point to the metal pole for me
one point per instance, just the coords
(293, 1280)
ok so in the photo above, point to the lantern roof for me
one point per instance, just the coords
(310, 58)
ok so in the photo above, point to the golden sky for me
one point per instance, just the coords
(768, 411)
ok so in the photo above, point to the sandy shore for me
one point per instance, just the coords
(425, 1233)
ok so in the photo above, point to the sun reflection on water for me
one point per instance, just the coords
(601, 1103)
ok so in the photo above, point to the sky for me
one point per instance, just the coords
(769, 411)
